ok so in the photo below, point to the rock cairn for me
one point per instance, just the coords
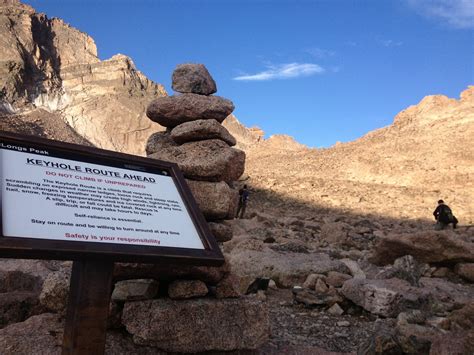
(202, 304)
(199, 144)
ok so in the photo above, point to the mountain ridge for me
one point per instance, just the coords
(426, 154)
(48, 66)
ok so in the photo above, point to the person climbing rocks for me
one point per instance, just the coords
(444, 216)
(243, 198)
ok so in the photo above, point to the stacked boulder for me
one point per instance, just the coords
(193, 308)
(199, 144)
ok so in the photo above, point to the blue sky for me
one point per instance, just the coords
(321, 71)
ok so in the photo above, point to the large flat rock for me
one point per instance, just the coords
(445, 295)
(286, 269)
(389, 297)
(209, 160)
(200, 130)
(43, 334)
(427, 246)
(198, 325)
(171, 111)
(386, 298)
(169, 272)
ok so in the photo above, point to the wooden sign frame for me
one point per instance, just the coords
(33, 248)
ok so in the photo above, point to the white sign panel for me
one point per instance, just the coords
(51, 198)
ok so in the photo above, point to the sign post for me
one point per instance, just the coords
(95, 207)
(88, 307)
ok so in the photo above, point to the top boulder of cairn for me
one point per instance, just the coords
(193, 78)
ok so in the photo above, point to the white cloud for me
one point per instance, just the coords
(283, 71)
(351, 44)
(320, 52)
(390, 43)
(456, 13)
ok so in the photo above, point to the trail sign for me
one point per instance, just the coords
(69, 202)
(63, 201)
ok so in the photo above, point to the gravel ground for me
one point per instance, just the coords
(296, 327)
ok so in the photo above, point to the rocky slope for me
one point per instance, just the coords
(398, 171)
(41, 123)
(47, 64)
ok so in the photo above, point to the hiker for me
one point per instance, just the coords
(444, 216)
(243, 198)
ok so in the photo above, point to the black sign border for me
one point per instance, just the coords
(34, 248)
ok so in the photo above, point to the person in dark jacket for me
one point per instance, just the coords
(444, 216)
(243, 198)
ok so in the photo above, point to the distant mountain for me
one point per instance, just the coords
(246, 137)
(400, 170)
(47, 64)
(249, 138)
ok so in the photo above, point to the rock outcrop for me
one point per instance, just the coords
(41, 123)
(286, 269)
(384, 297)
(47, 64)
(466, 271)
(426, 246)
(197, 325)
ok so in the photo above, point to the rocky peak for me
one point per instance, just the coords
(253, 137)
(283, 141)
(73, 46)
(34, 50)
(433, 108)
(48, 64)
(246, 137)
(15, 5)
(468, 95)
